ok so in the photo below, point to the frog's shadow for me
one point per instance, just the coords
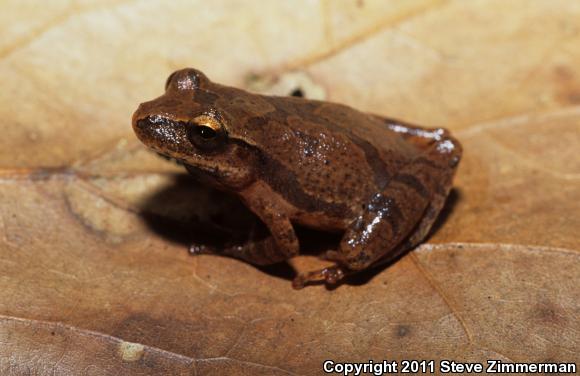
(174, 214)
(187, 213)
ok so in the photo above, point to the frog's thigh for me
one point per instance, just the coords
(411, 201)
(445, 168)
(387, 219)
(422, 229)
(428, 219)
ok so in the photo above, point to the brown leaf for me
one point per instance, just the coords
(94, 273)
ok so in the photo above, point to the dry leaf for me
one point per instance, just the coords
(94, 273)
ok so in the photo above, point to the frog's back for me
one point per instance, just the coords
(366, 132)
(331, 151)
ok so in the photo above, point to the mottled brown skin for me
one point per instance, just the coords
(299, 161)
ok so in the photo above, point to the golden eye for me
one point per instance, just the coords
(206, 132)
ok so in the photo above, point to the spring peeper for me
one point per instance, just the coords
(292, 160)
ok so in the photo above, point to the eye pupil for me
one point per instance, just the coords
(206, 132)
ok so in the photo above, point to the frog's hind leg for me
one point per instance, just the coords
(387, 225)
(444, 144)
(418, 135)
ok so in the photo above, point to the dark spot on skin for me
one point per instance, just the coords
(402, 331)
(204, 96)
(414, 183)
(257, 121)
(297, 93)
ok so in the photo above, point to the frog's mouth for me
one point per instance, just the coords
(194, 170)
(205, 175)
(180, 162)
(209, 176)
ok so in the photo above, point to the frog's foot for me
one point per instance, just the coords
(331, 255)
(331, 276)
(200, 249)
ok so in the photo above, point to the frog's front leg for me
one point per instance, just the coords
(258, 251)
(404, 210)
(282, 243)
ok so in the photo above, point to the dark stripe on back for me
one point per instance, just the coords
(204, 96)
(257, 121)
(413, 182)
(380, 171)
(427, 162)
(307, 111)
(285, 182)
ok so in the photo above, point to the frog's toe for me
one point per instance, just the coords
(331, 276)
(200, 249)
(331, 255)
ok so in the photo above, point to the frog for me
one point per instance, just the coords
(378, 182)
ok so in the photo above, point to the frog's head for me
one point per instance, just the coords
(185, 124)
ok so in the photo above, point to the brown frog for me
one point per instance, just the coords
(297, 161)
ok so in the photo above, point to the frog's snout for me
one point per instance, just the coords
(142, 127)
(155, 131)
(142, 124)
(137, 118)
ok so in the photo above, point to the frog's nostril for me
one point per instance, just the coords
(148, 123)
(144, 128)
(143, 124)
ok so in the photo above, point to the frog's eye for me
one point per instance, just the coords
(206, 133)
(186, 79)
